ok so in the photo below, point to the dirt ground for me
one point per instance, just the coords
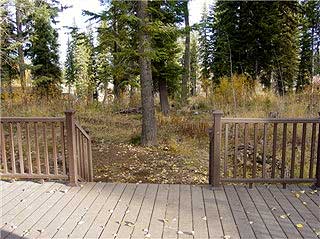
(129, 163)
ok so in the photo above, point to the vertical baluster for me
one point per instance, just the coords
(312, 150)
(255, 146)
(83, 157)
(30, 170)
(13, 160)
(274, 150)
(293, 151)
(90, 161)
(36, 141)
(284, 150)
(46, 154)
(245, 150)
(303, 149)
(78, 151)
(264, 150)
(3, 151)
(226, 151)
(235, 160)
(20, 148)
(54, 149)
(86, 158)
(63, 151)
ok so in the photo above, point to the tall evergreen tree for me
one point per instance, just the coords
(193, 65)
(149, 126)
(205, 29)
(44, 49)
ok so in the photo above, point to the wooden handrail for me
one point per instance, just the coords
(270, 120)
(31, 119)
(85, 134)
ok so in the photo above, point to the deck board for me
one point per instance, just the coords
(109, 210)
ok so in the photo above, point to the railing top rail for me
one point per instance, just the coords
(31, 119)
(270, 120)
(82, 130)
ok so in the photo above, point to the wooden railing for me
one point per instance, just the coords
(264, 150)
(45, 148)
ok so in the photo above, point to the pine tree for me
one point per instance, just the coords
(8, 55)
(70, 73)
(149, 126)
(164, 34)
(205, 29)
(44, 50)
(193, 65)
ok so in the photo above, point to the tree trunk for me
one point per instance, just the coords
(149, 127)
(20, 48)
(105, 97)
(163, 91)
(186, 74)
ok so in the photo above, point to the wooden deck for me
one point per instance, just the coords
(107, 210)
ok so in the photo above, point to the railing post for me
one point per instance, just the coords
(71, 147)
(215, 147)
(318, 160)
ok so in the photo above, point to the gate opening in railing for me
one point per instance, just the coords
(264, 150)
(45, 148)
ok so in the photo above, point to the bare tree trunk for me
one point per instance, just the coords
(186, 74)
(20, 48)
(163, 91)
(105, 93)
(149, 126)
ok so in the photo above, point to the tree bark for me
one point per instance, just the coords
(20, 48)
(164, 102)
(149, 127)
(186, 74)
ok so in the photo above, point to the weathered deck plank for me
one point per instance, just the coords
(212, 213)
(56, 224)
(107, 210)
(172, 213)
(239, 214)
(185, 213)
(80, 230)
(271, 222)
(130, 219)
(105, 213)
(278, 212)
(142, 228)
(122, 208)
(258, 225)
(158, 219)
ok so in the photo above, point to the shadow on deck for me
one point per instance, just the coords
(110, 210)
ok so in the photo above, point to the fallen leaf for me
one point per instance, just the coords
(299, 225)
(297, 195)
(129, 224)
